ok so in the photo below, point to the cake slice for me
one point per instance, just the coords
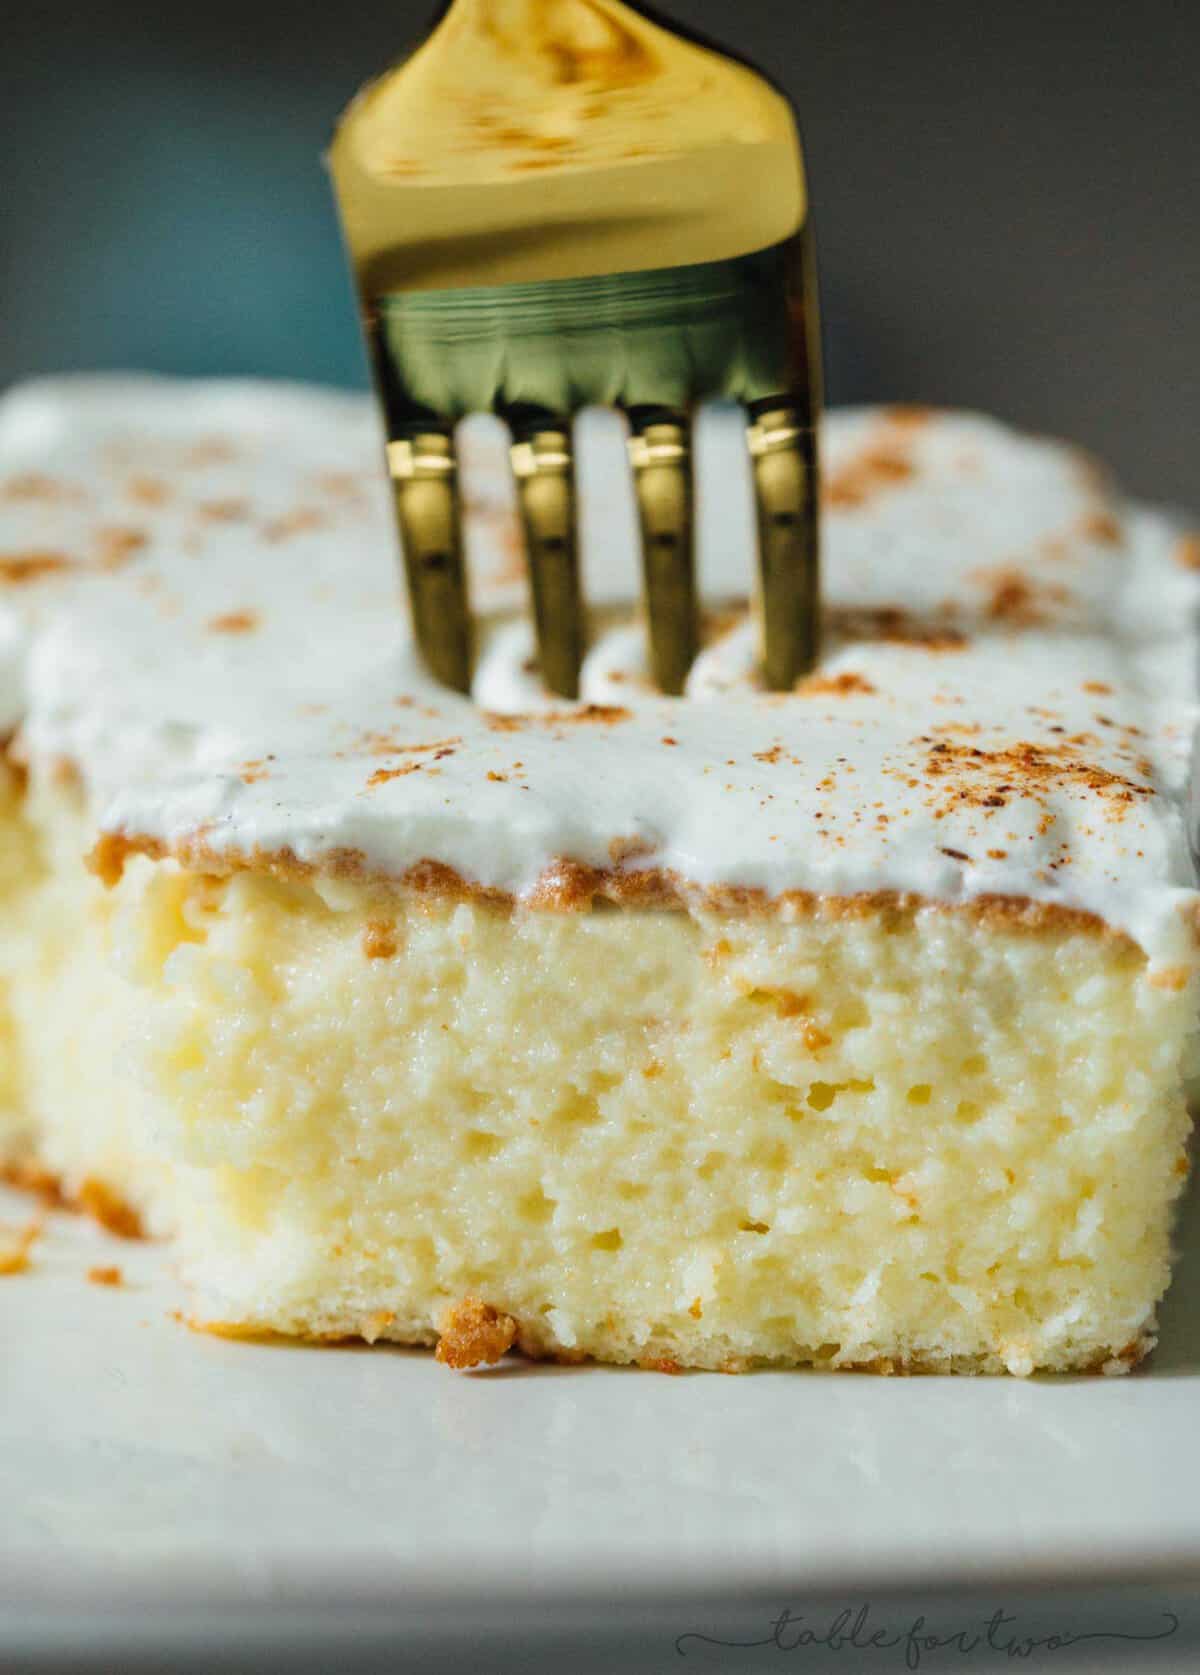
(849, 1028)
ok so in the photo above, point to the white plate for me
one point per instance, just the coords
(142, 1460)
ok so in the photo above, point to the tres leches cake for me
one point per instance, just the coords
(851, 1027)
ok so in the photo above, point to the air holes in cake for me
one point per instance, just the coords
(710, 1165)
(205, 897)
(967, 1112)
(975, 1065)
(821, 1095)
(182, 922)
(577, 1110)
(779, 1093)
(611, 1240)
(771, 1155)
(480, 1145)
(535, 1207)
(754, 1227)
(921, 1094)
(853, 1013)
(189, 1053)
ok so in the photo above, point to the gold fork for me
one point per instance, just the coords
(551, 204)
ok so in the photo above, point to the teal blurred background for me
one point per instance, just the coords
(1006, 197)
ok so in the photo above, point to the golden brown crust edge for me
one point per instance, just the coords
(476, 1334)
(568, 886)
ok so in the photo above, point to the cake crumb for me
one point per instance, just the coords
(16, 1244)
(110, 1210)
(105, 1276)
(474, 1334)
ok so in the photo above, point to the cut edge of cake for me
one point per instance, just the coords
(626, 1111)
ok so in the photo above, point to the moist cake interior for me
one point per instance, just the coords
(852, 1027)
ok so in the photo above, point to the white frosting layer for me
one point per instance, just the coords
(199, 608)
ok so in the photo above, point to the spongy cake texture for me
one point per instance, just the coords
(851, 1028)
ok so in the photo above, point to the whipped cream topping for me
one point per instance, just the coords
(200, 609)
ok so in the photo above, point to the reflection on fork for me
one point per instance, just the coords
(688, 308)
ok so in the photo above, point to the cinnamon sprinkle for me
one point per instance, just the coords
(607, 715)
(847, 684)
(21, 567)
(967, 776)
(234, 622)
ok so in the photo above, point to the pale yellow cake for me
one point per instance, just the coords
(852, 1027)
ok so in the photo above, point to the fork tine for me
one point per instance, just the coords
(544, 467)
(424, 470)
(783, 456)
(660, 450)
